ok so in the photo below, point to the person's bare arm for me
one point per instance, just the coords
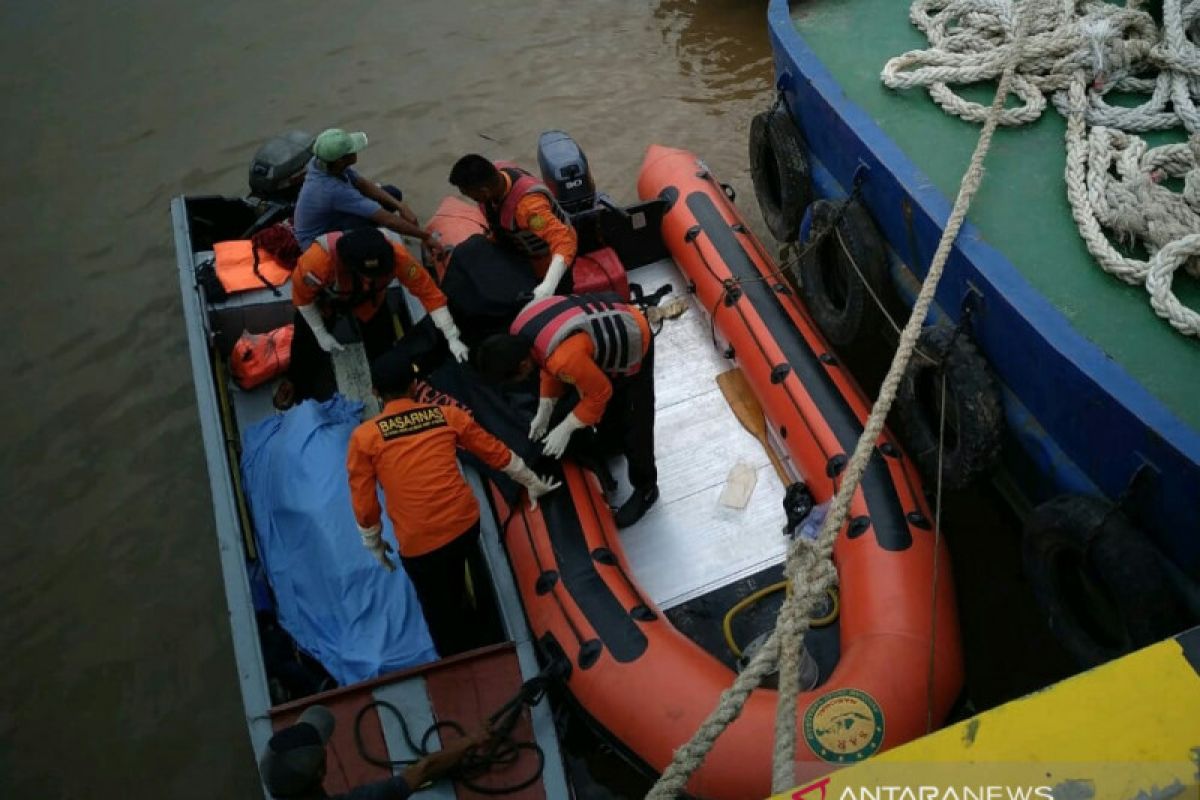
(395, 214)
(371, 189)
(394, 222)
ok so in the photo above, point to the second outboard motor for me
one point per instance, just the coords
(278, 167)
(565, 171)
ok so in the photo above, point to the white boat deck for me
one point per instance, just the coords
(689, 544)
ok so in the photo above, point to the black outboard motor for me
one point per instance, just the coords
(278, 167)
(565, 171)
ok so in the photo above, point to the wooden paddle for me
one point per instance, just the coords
(749, 412)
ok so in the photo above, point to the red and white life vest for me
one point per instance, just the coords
(502, 218)
(612, 326)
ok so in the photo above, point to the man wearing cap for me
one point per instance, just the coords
(410, 450)
(349, 273)
(293, 764)
(522, 214)
(335, 197)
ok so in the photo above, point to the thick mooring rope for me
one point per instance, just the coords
(1079, 52)
(809, 563)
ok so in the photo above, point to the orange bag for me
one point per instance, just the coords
(259, 357)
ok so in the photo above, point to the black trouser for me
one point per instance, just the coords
(629, 419)
(311, 369)
(441, 586)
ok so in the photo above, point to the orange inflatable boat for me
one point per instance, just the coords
(897, 667)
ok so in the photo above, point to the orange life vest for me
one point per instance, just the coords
(259, 357)
(236, 264)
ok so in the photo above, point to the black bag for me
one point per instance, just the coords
(206, 277)
(486, 285)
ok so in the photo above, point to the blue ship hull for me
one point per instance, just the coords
(1081, 423)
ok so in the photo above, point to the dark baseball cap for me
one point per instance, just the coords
(294, 759)
(366, 251)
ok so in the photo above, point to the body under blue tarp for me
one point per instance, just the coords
(332, 596)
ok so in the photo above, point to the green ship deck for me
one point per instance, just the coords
(1022, 209)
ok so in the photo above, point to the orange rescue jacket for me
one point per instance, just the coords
(572, 344)
(530, 220)
(322, 278)
(410, 450)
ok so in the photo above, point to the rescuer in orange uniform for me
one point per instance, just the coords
(522, 214)
(349, 273)
(410, 449)
(604, 348)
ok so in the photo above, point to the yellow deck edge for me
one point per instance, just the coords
(1126, 729)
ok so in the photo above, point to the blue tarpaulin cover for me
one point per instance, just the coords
(336, 601)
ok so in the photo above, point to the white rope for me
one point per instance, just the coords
(1079, 52)
(809, 566)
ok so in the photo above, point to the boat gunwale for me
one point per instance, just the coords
(251, 669)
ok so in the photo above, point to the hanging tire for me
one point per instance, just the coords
(1104, 588)
(830, 283)
(974, 419)
(779, 169)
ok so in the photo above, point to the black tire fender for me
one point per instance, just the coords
(830, 283)
(780, 171)
(974, 419)
(1104, 588)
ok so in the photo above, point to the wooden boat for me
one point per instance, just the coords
(466, 688)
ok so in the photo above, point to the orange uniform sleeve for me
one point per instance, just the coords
(550, 386)
(534, 214)
(574, 362)
(416, 279)
(474, 438)
(310, 275)
(360, 465)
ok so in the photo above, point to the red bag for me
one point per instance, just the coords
(259, 357)
(279, 242)
(599, 271)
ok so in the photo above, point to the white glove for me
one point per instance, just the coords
(556, 441)
(553, 275)
(445, 323)
(372, 539)
(541, 420)
(326, 340)
(522, 474)
(457, 349)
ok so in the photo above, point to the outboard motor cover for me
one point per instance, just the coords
(565, 171)
(278, 166)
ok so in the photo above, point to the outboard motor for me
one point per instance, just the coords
(565, 171)
(278, 167)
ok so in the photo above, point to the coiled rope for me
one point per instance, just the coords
(809, 564)
(1078, 52)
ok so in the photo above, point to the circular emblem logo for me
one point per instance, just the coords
(537, 222)
(844, 726)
